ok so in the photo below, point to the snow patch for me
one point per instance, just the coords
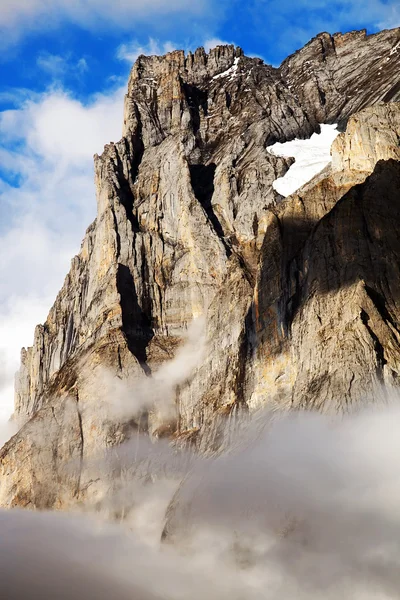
(231, 72)
(311, 156)
(395, 49)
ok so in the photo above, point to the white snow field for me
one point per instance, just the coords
(311, 157)
(231, 72)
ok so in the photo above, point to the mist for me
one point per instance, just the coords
(304, 505)
(127, 398)
(7, 430)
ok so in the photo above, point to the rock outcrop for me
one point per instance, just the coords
(330, 366)
(297, 312)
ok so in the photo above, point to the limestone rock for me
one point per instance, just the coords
(370, 136)
(189, 225)
(292, 296)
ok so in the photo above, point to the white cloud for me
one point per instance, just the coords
(51, 63)
(48, 143)
(381, 13)
(82, 65)
(132, 50)
(304, 506)
(391, 17)
(330, 15)
(17, 17)
(58, 66)
(213, 43)
(286, 25)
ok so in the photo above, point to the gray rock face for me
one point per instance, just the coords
(336, 76)
(281, 361)
(189, 225)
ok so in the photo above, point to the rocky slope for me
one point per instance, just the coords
(299, 295)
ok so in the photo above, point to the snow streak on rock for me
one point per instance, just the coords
(231, 72)
(311, 156)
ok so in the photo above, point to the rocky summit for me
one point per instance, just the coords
(296, 300)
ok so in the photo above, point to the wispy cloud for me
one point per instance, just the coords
(133, 49)
(292, 24)
(213, 43)
(18, 17)
(391, 17)
(47, 197)
(304, 506)
(58, 66)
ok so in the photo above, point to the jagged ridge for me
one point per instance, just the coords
(188, 223)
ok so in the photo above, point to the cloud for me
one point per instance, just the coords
(132, 50)
(18, 17)
(292, 24)
(7, 430)
(48, 200)
(307, 506)
(46, 555)
(58, 66)
(353, 13)
(390, 18)
(127, 399)
(284, 25)
(213, 43)
(54, 556)
(304, 506)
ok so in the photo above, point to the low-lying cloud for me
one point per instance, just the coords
(126, 399)
(311, 504)
(305, 506)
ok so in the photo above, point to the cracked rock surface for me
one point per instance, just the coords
(300, 296)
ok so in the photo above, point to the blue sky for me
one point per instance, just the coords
(64, 65)
(75, 42)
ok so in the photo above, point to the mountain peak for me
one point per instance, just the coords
(190, 224)
(193, 66)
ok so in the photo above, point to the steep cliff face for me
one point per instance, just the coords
(309, 340)
(336, 76)
(189, 225)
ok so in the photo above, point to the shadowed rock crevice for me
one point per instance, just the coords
(135, 151)
(358, 240)
(379, 349)
(379, 301)
(321, 260)
(197, 102)
(136, 323)
(202, 179)
(324, 321)
(82, 445)
(393, 94)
